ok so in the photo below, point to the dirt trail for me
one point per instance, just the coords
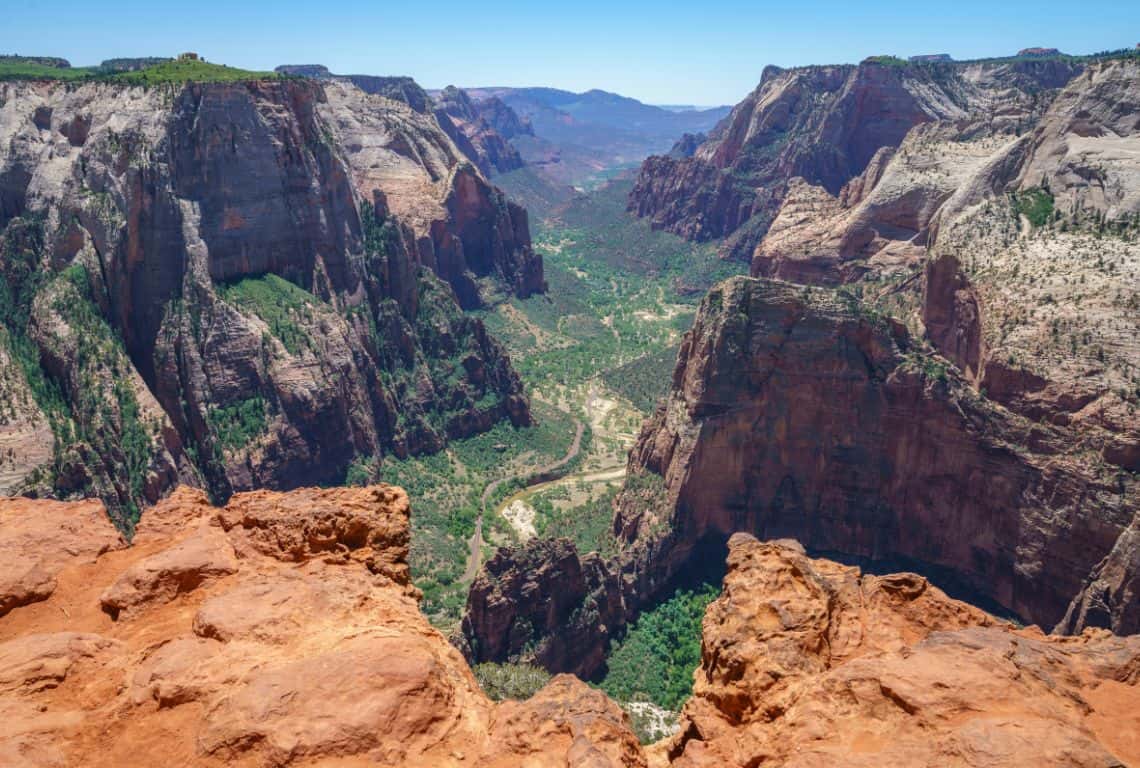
(475, 543)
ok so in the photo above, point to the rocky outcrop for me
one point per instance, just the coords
(886, 218)
(824, 125)
(311, 649)
(316, 71)
(504, 120)
(308, 648)
(194, 562)
(1109, 594)
(1083, 149)
(242, 285)
(463, 121)
(40, 538)
(808, 662)
(396, 88)
(882, 221)
(543, 603)
(687, 145)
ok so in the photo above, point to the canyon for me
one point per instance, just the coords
(942, 376)
(898, 458)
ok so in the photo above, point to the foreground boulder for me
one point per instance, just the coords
(279, 630)
(812, 663)
(42, 537)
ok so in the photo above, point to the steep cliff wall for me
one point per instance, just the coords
(824, 125)
(244, 285)
(794, 414)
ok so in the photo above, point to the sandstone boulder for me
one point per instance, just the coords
(202, 557)
(39, 538)
(279, 630)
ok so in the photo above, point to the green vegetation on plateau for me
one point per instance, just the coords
(176, 71)
(1036, 205)
(190, 72)
(17, 69)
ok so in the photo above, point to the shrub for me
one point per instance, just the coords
(278, 302)
(235, 426)
(1036, 205)
(510, 681)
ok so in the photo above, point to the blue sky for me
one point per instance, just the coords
(707, 52)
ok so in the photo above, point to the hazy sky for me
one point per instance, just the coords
(698, 52)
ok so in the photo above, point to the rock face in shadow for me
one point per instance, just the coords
(808, 662)
(240, 285)
(308, 647)
(543, 603)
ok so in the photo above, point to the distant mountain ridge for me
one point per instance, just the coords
(578, 136)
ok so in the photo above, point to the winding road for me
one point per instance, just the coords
(539, 475)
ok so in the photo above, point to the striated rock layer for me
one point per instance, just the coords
(240, 285)
(279, 630)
